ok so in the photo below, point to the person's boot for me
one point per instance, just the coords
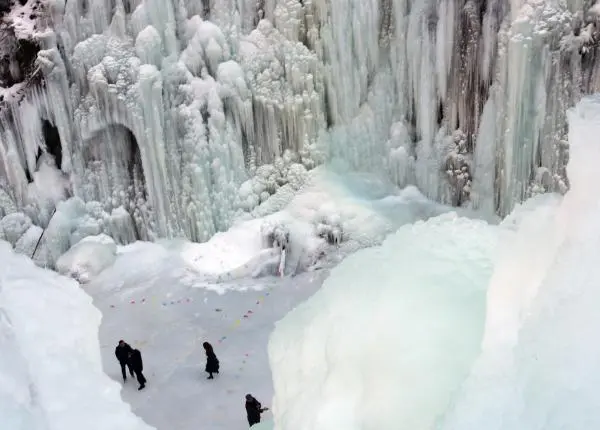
(141, 387)
(210, 376)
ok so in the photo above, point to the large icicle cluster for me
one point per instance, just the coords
(162, 118)
(151, 117)
(466, 99)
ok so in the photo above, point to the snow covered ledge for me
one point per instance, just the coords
(50, 369)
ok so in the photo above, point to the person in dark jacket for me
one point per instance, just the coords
(253, 410)
(135, 361)
(122, 352)
(212, 362)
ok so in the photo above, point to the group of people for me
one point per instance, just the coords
(131, 359)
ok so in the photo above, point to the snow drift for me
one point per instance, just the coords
(87, 258)
(51, 374)
(333, 215)
(457, 346)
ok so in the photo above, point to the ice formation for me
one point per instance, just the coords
(537, 354)
(503, 342)
(423, 294)
(50, 369)
(334, 215)
(172, 118)
(87, 258)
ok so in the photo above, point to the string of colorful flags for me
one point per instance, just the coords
(247, 315)
(187, 300)
(143, 301)
(238, 322)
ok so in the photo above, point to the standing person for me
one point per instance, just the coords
(212, 362)
(122, 352)
(253, 410)
(135, 361)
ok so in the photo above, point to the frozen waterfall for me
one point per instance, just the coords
(162, 118)
(468, 337)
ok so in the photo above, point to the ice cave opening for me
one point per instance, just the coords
(52, 142)
(115, 176)
(49, 153)
(19, 64)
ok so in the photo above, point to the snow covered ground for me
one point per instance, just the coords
(168, 320)
(167, 298)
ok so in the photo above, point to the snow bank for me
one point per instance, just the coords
(244, 251)
(143, 264)
(13, 226)
(50, 370)
(226, 250)
(423, 293)
(88, 258)
(333, 213)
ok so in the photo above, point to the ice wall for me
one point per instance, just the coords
(539, 354)
(386, 348)
(163, 110)
(506, 342)
(50, 369)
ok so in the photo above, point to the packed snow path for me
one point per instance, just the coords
(167, 319)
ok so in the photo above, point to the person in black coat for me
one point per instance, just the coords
(135, 361)
(122, 352)
(212, 362)
(253, 410)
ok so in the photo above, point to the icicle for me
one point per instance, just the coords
(174, 111)
(485, 158)
(281, 269)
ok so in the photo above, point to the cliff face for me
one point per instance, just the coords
(186, 113)
(479, 92)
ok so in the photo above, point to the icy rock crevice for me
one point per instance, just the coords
(464, 99)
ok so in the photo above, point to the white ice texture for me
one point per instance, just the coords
(450, 333)
(182, 115)
(391, 334)
(333, 215)
(51, 375)
(87, 258)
